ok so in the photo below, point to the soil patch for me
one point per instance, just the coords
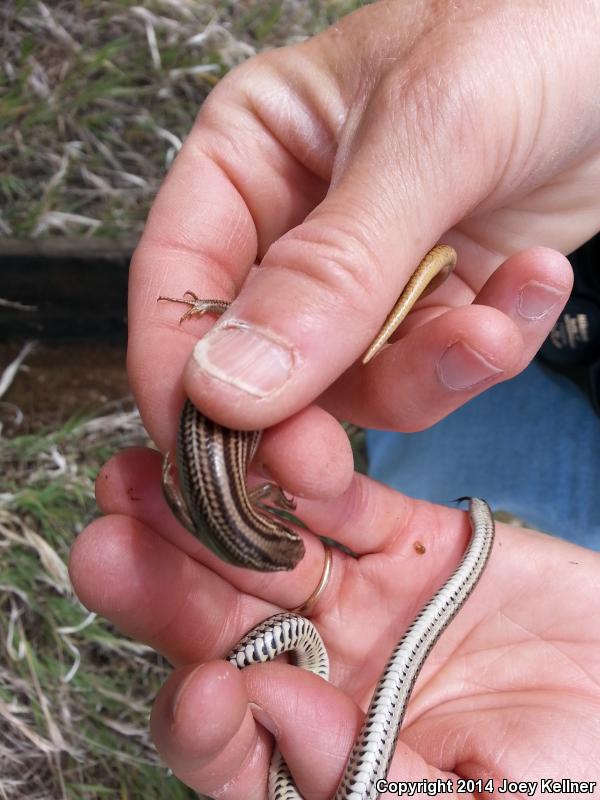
(58, 381)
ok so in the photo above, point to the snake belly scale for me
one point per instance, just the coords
(213, 502)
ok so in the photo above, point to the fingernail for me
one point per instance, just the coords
(261, 716)
(246, 357)
(461, 367)
(178, 696)
(537, 299)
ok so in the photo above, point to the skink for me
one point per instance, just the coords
(212, 500)
(214, 503)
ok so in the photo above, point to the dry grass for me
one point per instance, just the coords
(74, 694)
(96, 97)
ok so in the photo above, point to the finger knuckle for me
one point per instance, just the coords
(336, 254)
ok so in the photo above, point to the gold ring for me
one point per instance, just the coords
(311, 602)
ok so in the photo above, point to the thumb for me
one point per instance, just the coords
(420, 146)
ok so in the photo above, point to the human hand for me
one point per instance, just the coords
(337, 163)
(509, 692)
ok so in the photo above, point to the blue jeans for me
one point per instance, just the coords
(530, 446)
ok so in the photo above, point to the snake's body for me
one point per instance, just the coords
(215, 504)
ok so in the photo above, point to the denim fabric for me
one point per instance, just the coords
(530, 446)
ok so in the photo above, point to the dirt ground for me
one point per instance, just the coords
(58, 381)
